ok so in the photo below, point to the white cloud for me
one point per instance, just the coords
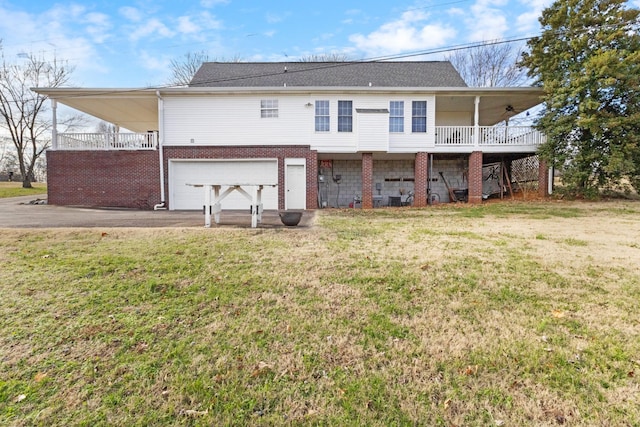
(274, 18)
(154, 62)
(131, 13)
(208, 21)
(152, 27)
(186, 26)
(98, 26)
(211, 3)
(486, 22)
(410, 32)
(527, 22)
(49, 35)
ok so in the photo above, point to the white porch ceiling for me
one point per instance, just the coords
(137, 109)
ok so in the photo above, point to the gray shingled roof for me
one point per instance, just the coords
(328, 74)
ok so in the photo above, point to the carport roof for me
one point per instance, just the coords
(137, 109)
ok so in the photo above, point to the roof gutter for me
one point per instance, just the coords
(162, 204)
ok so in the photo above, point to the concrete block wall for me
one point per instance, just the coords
(350, 185)
(386, 172)
(455, 172)
(351, 180)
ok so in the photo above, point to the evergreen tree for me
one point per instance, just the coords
(588, 61)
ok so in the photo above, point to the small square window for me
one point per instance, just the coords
(268, 108)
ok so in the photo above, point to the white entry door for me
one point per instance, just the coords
(296, 184)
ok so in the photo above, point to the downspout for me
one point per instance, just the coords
(162, 204)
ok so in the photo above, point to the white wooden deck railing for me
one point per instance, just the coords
(452, 136)
(107, 141)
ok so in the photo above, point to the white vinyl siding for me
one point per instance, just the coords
(222, 120)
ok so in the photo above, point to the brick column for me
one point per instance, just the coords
(367, 180)
(543, 179)
(475, 177)
(421, 170)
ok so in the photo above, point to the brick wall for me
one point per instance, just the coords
(129, 179)
(543, 179)
(475, 177)
(421, 179)
(253, 152)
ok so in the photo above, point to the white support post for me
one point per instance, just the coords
(217, 208)
(476, 122)
(254, 208)
(259, 203)
(207, 206)
(54, 131)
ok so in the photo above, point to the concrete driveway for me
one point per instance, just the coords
(19, 212)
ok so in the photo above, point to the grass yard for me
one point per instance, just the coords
(14, 189)
(505, 314)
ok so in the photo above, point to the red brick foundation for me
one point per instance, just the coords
(131, 179)
(421, 179)
(367, 181)
(475, 177)
(543, 179)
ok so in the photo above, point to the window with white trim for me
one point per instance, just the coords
(345, 116)
(268, 108)
(322, 116)
(419, 116)
(396, 116)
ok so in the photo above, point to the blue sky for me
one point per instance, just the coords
(130, 44)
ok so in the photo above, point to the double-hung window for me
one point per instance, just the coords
(345, 116)
(419, 116)
(396, 116)
(322, 116)
(268, 108)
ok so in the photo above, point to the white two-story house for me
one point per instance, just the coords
(319, 134)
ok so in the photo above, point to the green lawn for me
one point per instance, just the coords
(14, 189)
(505, 314)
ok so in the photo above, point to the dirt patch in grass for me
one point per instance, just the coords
(503, 314)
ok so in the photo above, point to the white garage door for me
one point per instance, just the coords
(254, 171)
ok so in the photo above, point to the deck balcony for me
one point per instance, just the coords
(490, 138)
(107, 141)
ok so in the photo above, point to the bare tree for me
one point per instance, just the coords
(489, 64)
(184, 68)
(325, 57)
(106, 127)
(23, 111)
